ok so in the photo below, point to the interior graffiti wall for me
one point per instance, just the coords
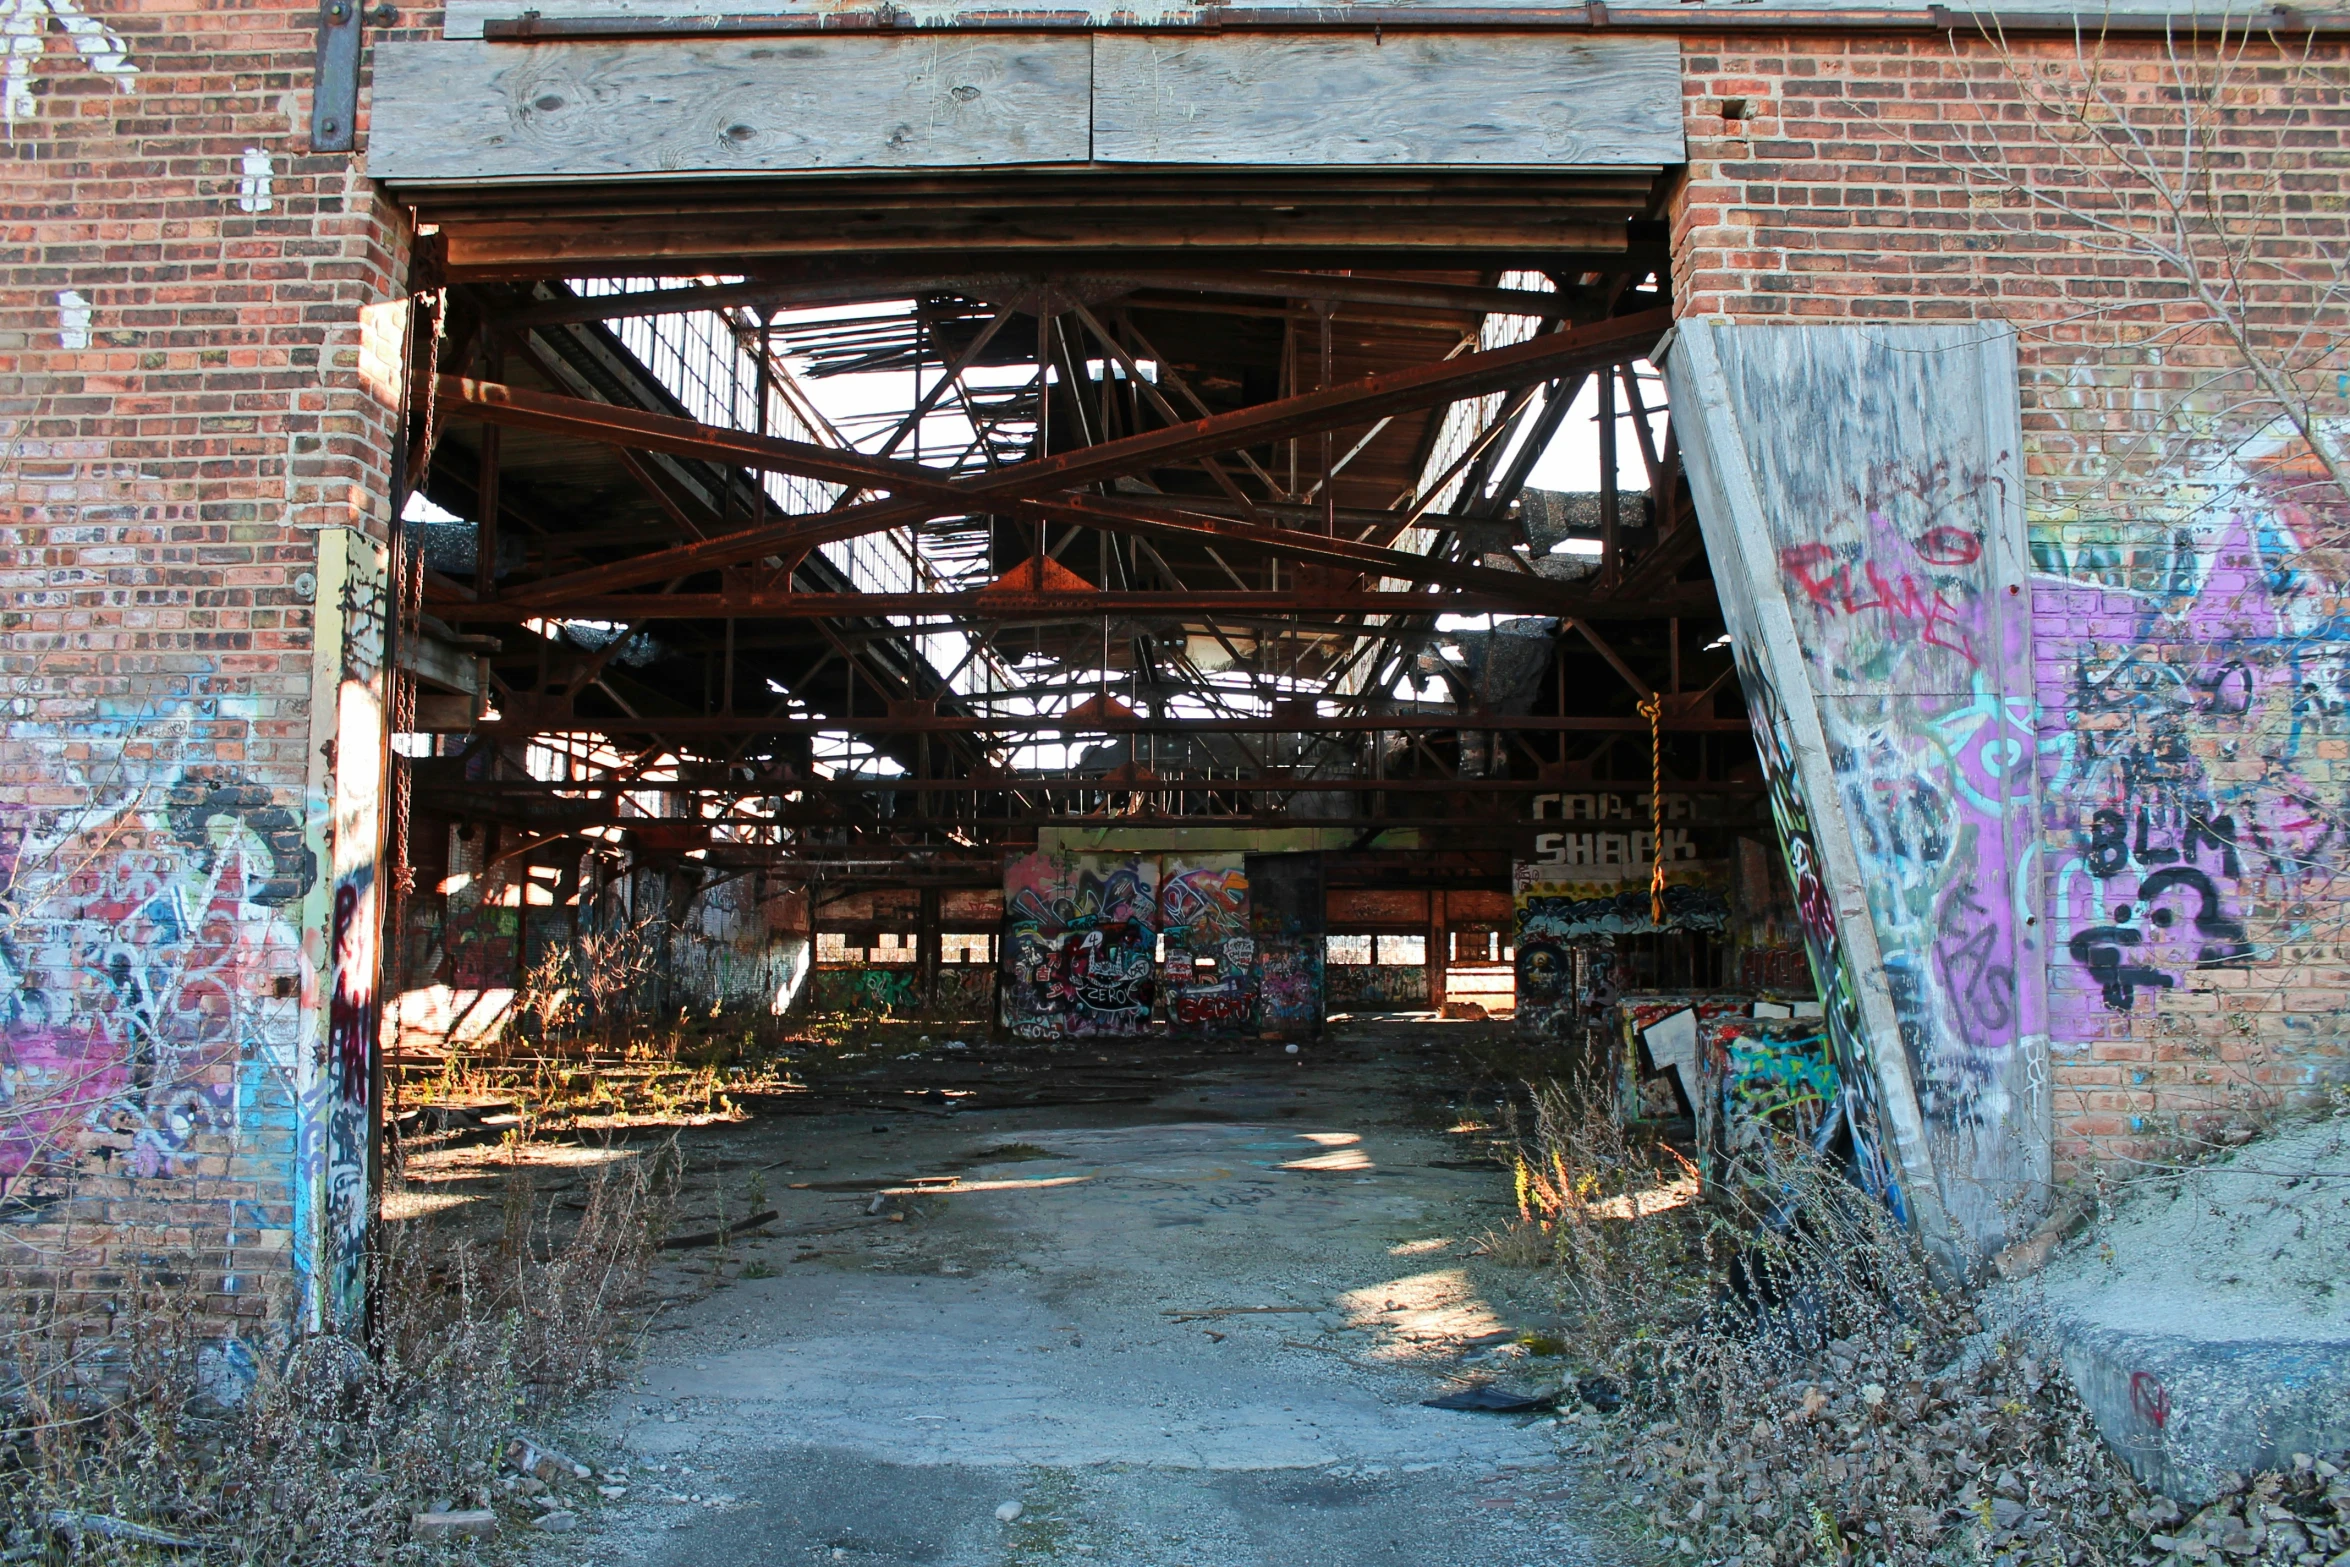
(1554, 918)
(1864, 487)
(1287, 912)
(1079, 946)
(1210, 975)
(1082, 931)
(1375, 987)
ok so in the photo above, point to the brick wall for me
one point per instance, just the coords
(2191, 663)
(183, 407)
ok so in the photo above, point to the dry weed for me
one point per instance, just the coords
(1797, 1384)
(121, 1442)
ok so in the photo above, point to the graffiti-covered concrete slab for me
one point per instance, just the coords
(1860, 491)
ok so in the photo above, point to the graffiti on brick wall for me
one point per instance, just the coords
(1080, 943)
(2190, 719)
(1211, 974)
(966, 992)
(150, 951)
(25, 27)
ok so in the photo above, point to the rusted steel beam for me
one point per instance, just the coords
(994, 605)
(687, 725)
(1395, 391)
(986, 604)
(996, 287)
(1127, 514)
(1029, 783)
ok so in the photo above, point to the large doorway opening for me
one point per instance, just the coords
(1066, 605)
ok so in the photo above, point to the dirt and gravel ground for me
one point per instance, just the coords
(1181, 1308)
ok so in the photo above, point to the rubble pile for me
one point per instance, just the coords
(2299, 1515)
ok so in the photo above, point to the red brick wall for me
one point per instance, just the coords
(163, 476)
(2191, 668)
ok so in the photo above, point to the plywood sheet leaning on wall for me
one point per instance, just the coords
(1080, 935)
(1860, 491)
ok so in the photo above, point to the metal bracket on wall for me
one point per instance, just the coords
(334, 80)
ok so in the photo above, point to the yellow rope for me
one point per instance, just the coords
(1652, 708)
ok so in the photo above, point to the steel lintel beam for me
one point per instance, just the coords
(687, 725)
(1029, 783)
(994, 605)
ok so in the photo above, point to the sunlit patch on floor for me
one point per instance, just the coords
(1338, 1162)
(1678, 1192)
(1420, 1248)
(1420, 1312)
(402, 1205)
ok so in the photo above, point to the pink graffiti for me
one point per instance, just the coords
(1828, 583)
(57, 1081)
(2150, 1399)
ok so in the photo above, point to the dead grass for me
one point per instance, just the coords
(1796, 1384)
(138, 1438)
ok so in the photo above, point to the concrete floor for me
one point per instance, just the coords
(1016, 1339)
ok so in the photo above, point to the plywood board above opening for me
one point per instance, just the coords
(1429, 100)
(468, 112)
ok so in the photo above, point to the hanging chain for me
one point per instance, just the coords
(1652, 708)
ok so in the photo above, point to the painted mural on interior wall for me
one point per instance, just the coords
(157, 992)
(1287, 917)
(1210, 976)
(1375, 987)
(1865, 485)
(1081, 932)
(1080, 945)
(1554, 917)
(2195, 701)
(868, 990)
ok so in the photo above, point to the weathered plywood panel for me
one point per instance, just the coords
(463, 111)
(1412, 98)
(464, 18)
(1860, 495)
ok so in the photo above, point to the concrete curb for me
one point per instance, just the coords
(2184, 1411)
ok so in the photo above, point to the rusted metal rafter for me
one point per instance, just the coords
(1420, 386)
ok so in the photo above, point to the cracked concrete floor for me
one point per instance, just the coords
(1193, 1331)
